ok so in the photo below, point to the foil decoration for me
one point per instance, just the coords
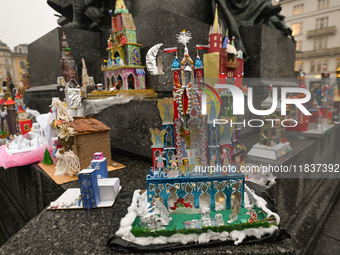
(193, 224)
(74, 98)
(205, 217)
(219, 219)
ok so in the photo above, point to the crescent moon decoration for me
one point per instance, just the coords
(151, 64)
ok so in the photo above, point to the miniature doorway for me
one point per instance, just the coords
(113, 81)
(131, 82)
(120, 82)
(108, 82)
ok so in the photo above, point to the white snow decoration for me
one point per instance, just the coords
(190, 238)
(224, 236)
(203, 238)
(213, 235)
(238, 236)
(160, 240)
(261, 203)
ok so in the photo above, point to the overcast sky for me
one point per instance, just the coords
(24, 21)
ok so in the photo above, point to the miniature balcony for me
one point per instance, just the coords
(232, 64)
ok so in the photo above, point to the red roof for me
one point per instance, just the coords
(2, 100)
(9, 101)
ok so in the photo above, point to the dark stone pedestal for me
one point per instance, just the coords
(271, 53)
(45, 53)
(303, 203)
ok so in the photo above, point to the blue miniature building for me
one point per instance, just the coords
(88, 185)
(99, 163)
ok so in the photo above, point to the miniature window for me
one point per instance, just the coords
(135, 56)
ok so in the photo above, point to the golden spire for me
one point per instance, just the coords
(215, 25)
(120, 6)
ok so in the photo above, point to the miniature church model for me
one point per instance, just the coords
(194, 160)
(124, 70)
(221, 52)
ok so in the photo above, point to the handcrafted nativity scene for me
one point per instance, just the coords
(70, 138)
(196, 184)
(272, 143)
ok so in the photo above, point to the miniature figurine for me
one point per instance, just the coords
(160, 161)
(157, 138)
(68, 163)
(205, 217)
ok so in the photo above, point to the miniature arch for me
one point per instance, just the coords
(173, 196)
(120, 82)
(108, 81)
(113, 80)
(220, 198)
(189, 197)
(204, 198)
(131, 81)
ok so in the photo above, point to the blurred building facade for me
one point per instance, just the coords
(315, 25)
(13, 62)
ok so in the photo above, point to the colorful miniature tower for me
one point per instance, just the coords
(100, 164)
(337, 97)
(124, 70)
(88, 185)
(230, 61)
(19, 100)
(24, 123)
(296, 113)
(11, 116)
(314, 118)
(68, 64)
